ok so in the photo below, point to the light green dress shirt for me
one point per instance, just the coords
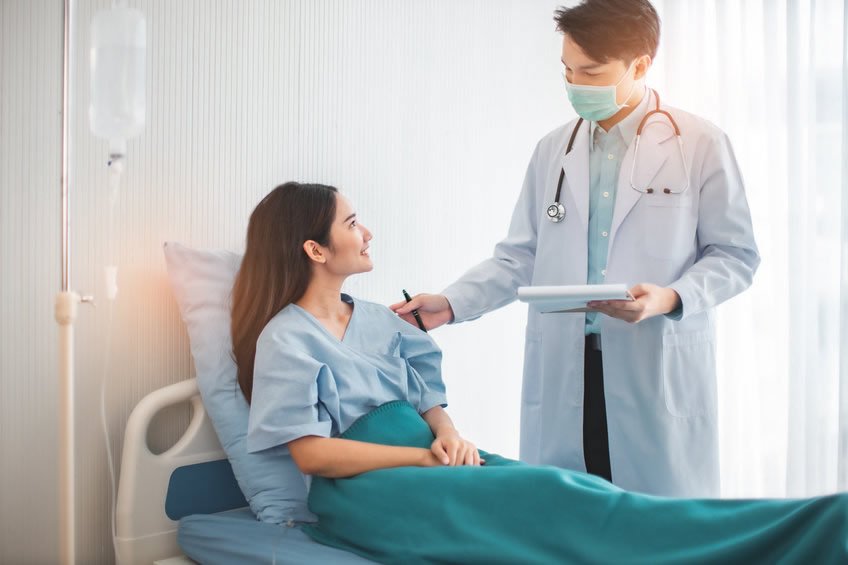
(606, 151)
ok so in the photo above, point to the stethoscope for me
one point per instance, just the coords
(556, 211)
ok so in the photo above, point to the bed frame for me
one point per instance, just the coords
(156, 490)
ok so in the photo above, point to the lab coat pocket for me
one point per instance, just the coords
(688, 367)
(668, 188)
(669, 230)
(659, 199)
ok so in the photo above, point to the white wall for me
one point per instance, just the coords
(425, 113)
(30, 126)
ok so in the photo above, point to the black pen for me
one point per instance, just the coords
(414, 312)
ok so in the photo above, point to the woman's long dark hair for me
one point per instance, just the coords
(275, 271)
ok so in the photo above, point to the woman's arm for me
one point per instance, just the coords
(439, 421)
(449, 446)
(337, 458)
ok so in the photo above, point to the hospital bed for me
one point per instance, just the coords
(184, 505)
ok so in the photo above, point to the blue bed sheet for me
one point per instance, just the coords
(236, 536)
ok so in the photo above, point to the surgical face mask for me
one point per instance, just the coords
(595, 103)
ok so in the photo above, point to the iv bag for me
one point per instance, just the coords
(118, 42)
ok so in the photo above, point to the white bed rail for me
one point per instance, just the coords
(144, 533)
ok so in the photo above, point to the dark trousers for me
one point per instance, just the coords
(595, 435)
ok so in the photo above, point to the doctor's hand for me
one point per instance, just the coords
(434, 309)
(650, 300)
(452, 450)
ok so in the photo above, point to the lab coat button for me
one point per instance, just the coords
(606, 194)
(610, 156)
(603, 233)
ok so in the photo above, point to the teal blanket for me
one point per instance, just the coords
(509, 512)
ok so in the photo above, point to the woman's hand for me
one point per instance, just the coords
(450, 449)
(434, 309)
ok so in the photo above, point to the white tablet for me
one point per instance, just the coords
(570, 298)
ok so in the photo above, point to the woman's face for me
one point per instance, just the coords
(348, 251)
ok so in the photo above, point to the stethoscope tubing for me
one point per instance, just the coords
(556, 211)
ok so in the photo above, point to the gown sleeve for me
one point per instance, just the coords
(285, 404)
(424, 360)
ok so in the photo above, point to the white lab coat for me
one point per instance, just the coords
(659, 374)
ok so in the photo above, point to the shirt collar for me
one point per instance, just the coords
(628, 126)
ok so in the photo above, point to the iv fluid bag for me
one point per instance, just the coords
(118, 42)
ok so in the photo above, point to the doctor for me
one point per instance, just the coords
(627, 392)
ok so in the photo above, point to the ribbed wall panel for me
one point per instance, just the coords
(424, 113)
(30, 168)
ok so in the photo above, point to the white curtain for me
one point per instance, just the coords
(772, 74)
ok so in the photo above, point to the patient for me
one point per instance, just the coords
(357, 396)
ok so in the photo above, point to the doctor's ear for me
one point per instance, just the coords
(314, 251)
(642, 65)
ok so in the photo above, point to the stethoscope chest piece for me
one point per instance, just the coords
(556, 212)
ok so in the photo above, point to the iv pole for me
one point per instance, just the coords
(67, 302)
(66, 312)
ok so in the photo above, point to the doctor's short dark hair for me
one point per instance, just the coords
(611, 29)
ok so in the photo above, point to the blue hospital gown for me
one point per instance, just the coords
(308, 383)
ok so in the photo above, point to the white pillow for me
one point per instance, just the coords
(202, 281)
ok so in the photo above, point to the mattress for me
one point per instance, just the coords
(235, 536)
